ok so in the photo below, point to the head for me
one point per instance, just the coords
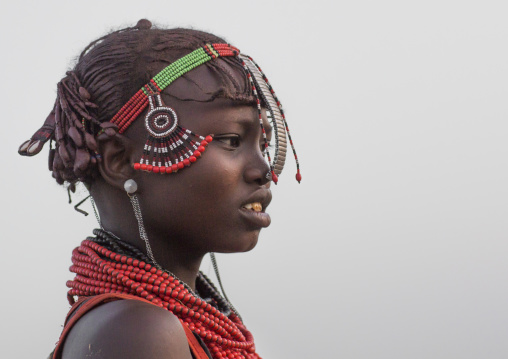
(201, 208)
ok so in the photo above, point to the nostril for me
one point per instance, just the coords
(257, 174)
(257, 170)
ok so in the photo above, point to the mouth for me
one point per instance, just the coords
(254, 210)
(254, 206)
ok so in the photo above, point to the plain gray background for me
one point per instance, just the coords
(393, 246)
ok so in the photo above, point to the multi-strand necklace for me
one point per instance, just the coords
(104, 264)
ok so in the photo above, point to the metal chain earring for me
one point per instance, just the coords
(96, 212)
(131, 187)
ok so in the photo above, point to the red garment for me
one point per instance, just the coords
(85, 304)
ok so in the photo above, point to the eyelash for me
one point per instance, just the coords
(229, 139)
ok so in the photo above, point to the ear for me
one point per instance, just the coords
(116, 164)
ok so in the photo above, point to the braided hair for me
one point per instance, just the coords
(107, 73)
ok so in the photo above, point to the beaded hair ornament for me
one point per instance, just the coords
(169, 147)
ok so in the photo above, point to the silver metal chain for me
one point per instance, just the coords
(142, 232)
(216, 270)
(96, 212)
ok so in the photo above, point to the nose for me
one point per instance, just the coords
(257, 170)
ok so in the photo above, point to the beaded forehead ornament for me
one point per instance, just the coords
(170, 147)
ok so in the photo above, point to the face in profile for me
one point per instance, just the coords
(218, 204)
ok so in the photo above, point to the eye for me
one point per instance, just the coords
(230, 140)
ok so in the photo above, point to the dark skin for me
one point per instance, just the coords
(187, 215)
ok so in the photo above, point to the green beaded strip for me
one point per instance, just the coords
(180, 67)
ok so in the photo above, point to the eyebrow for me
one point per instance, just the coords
(248, 121)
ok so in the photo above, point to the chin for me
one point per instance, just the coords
(243, 243)
(252, 244)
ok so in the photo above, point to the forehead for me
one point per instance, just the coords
(218, 78)
(219, 115)
(211, 98)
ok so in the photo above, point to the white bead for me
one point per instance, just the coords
(130, 186)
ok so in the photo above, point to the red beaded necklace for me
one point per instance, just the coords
(100, 270)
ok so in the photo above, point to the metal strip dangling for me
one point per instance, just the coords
(273, 114)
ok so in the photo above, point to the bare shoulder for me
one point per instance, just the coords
(128, 329)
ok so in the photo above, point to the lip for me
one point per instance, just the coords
(258, 219)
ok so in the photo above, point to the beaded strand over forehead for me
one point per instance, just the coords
(170, 147)
(270, 88)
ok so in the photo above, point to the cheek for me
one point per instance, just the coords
(215, 177)
(200, 197)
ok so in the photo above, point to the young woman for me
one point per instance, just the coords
(170, 131)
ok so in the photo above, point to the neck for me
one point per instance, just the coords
(117, 217)
(182, 263)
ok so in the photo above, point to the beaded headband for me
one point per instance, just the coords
(170, 147)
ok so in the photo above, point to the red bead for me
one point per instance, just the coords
(186, 162)
(162, 169)
(143, 167)
(208, 139)
(180, 165)
(137, 166)
(174, 168)
(298, 177)
(149, 168)
(275, 179)
(197, 153)
(203, 143)
(201, 149)
(156, 169)
(192, 159)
